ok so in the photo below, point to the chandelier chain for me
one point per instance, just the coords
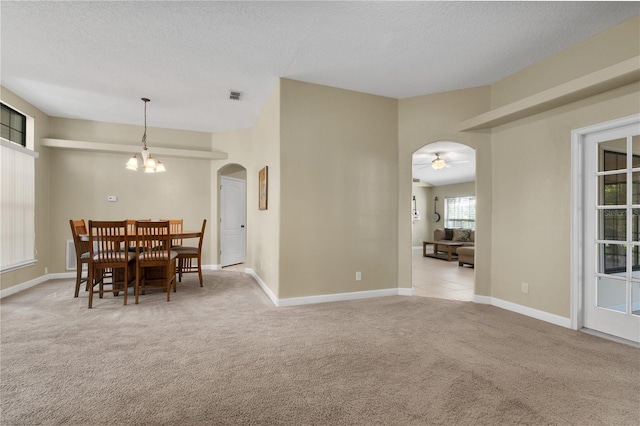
(144, 135)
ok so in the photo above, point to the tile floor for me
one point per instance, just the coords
(441, 279)
(431, 278)
(238, 268)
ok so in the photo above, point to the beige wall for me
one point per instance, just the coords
(264, 232)
(80, 181)
(419, 228)
(340, 180)
(339, 191)
(431, 118)
(532, 199)
(532, 169)
(41, 123)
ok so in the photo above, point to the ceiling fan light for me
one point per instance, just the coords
(438, 163)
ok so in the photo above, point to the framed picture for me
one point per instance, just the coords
(262, 188)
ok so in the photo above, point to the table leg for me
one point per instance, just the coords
(424, 249)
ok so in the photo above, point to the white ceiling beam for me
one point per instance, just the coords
(609, 78)
(129, 149)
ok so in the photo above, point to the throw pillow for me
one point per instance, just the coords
(461, 235)
(448, 233)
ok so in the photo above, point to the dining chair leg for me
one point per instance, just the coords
(200, 270)
(78, 277)
(126, 283)
(90, 281)
(168, 286)
(173, 278)
(136, 285)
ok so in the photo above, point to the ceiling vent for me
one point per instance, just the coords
(234, 95)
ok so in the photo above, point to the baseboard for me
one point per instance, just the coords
(23, 286)
(523, 310)
(64, 275)
(262, 284)
(402, 291)
(324, 298)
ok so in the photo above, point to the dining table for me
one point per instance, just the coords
(154, 273)
(182, 235)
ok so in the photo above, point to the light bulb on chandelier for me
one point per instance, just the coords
(144, 158)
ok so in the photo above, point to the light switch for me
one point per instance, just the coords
(112, 198)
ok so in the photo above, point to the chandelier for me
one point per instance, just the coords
(150, 164)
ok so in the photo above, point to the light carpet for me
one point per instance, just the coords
(224, 355)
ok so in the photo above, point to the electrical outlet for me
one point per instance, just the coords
(112, 198)
(525, 287)
(46, 270)
(358, 276)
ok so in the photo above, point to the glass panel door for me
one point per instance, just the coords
(612, 299)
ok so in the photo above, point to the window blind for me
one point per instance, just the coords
(17, 215)
(460, 212)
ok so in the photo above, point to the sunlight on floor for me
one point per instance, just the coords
(441, 279)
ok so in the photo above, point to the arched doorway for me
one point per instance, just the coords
(232, 213)
(443, 197)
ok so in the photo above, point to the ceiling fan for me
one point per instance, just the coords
(438, 163)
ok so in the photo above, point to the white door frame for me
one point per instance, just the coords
(577, 211)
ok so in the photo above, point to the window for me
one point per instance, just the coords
(13, 125)
(460, 212)
(614, 220)
(17, 190)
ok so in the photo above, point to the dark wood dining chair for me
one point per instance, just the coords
(175, 227)
(190, 258)
(79, 227)
(108, 242)
(155, 261)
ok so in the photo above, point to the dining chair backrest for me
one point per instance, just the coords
(108, 248)
(204, 225)
(131, 225)
(107, 241)
(175, 227)
(190, 258)
(81, 246)
(153, 240)
(78, 228)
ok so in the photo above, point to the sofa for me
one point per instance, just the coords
(465, 236)
(466, 256)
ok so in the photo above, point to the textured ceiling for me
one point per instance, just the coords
(95, 60)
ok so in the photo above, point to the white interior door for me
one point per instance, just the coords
(612, 232)
(232, 221)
